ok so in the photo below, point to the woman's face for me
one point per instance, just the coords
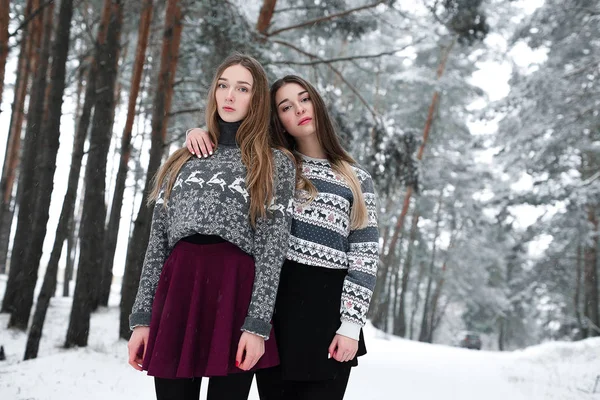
(234, 93)
(295, 110)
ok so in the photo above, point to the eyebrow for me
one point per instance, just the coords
(284, 100)
(242, 82)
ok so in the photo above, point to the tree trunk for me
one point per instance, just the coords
(438, 316)
(112, 231)
(416, 300)
(52, 133)
(425, 325)
(71, 251)
(501, 334)
(377, 309)
(382, 295)
(590, 277)
(400, 316)
(160, 111)
(265, 16)
(104, 115)
(71, 233)
(11, 158)
(434, 315)
(577, 294)
(74, 237)
(46, 174)
(68, 233)
(85, 298)
(115, 148)
(424, 332)
(426, 130)
(435, 298)
(396, 301)
(78, 92)
(388, 304)
(4, 19)
(21, 257)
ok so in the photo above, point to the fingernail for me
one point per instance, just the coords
(328, 355)
(237, 363)
(199, 155)
(210, 152)
(193, 152)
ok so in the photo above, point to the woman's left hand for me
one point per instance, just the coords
(342, 348)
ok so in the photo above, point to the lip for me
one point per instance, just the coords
(228, 109)
(304, 121)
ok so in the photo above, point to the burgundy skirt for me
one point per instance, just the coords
(200, 305)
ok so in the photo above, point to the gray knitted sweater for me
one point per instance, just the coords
(209, 197)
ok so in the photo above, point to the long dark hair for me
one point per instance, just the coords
(340, 160)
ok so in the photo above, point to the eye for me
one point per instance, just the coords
(222, 86)
(305, 99)
(285, 108)
(244, 89)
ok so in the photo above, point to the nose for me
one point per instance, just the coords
(229, 96)
(300, 110)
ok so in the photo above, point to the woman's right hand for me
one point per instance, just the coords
(137, 342)
(251, 348)
(198, 142)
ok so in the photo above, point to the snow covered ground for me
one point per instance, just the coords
(393, 368)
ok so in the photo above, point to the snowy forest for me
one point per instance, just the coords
(479, 121)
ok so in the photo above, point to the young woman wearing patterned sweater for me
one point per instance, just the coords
(219, 236)
(329, 274)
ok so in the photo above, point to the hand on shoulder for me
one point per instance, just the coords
(198, 142)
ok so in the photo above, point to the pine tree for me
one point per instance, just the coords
(85, 297)
(161, 108)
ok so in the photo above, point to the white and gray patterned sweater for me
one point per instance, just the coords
(209, 197)
(321, 237)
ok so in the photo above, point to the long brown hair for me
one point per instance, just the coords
(252, 136)
(341, 161)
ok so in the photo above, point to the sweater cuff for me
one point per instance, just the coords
(257, 327)
(139, 319)
(350, 330)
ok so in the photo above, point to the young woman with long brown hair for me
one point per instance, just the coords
(329, 274)
(219, 236)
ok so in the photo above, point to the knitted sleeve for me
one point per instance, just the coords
(156, 254)
(363, 260)
(270, 247)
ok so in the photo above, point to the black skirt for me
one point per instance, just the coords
(306, 318)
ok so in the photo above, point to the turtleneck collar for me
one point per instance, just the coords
(227, 132)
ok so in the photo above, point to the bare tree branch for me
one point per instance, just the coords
(297, 8)
(589, 180)
(591, 11)
(336, 71)
(326, 18)
(590, 65)
(182, 80)
(349, 58)
(185, 111)
(434, 9)
(30, 17)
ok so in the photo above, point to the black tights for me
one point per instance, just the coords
(271, 386)
(230, 387)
